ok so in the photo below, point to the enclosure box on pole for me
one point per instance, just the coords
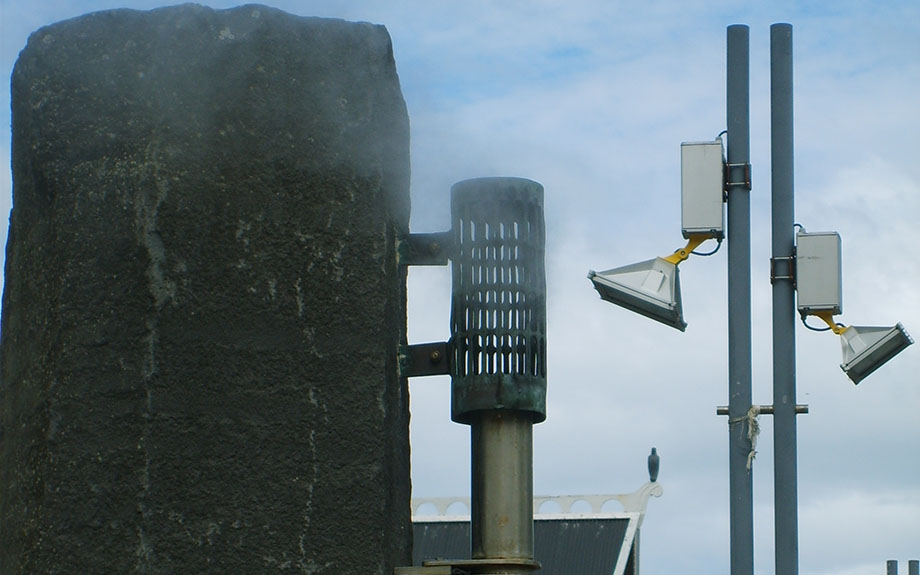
(819, 279)
(203, 305)
(702, 195)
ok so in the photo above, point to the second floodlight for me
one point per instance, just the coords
(819, 287)
(866, 349)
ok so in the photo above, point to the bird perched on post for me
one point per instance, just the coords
(653, 462)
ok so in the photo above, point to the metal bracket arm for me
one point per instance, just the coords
(424, 359)
(764, 409)
(425, 249)
(684, 253)
(828, 318)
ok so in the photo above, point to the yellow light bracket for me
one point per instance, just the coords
(828, 318)
(684, 253)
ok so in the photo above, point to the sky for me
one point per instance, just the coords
(592, 99)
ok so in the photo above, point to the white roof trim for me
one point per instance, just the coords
(634, 502)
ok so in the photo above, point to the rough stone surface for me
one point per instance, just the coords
(203, 306)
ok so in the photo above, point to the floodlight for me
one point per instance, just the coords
(650, 288)
(819, 294)
(866, 349)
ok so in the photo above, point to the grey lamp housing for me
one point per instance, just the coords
(650, 288)
(866, 349)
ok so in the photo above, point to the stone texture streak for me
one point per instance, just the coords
(203, 307)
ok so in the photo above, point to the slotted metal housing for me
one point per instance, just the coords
(498, 307)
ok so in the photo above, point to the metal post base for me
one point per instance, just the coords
(477, 567)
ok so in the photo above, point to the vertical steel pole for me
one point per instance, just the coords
(785, 490)
(502, 485)
(741, 506)
(913, 567)
(892, 567)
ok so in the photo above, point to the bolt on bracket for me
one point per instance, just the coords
(424, 359)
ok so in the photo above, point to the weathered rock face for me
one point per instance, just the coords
(203, 306)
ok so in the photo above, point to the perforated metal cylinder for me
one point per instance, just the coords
(498, 307)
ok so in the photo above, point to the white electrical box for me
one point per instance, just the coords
(701, 185)
(818, 277)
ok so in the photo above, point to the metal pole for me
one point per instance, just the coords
(502, 475)
(892, 567)
(741, 505)
(913, 567)
(785, 490)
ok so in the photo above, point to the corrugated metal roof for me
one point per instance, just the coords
(583, 546)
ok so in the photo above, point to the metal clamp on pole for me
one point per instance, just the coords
(782, 268)
(746, 182)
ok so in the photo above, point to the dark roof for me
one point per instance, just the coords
(586, 546)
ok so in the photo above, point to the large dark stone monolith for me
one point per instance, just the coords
(203, 305)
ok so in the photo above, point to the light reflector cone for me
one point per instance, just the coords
(650, 288)
(866, 349)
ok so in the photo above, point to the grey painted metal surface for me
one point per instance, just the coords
(867, 348)
(785, 488)
(702, 209)
(650, 288)
(913, 567)
(819, 281)
(739, 300)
